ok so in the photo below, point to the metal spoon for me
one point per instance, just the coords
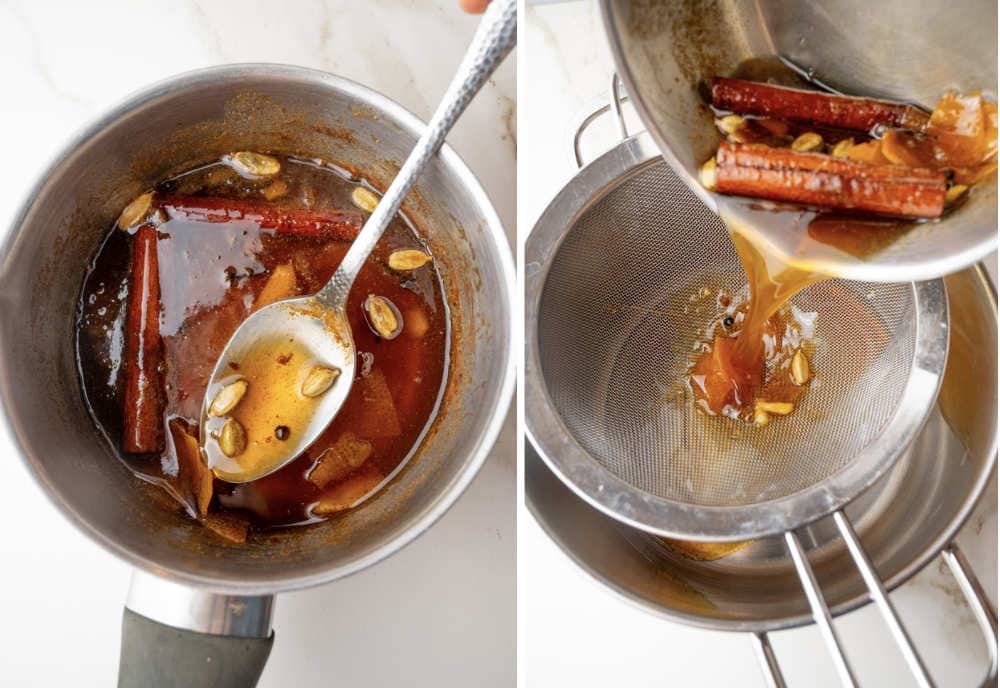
(318, 323)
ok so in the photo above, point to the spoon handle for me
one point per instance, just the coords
(494, 39)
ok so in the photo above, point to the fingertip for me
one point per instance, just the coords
(473, 6)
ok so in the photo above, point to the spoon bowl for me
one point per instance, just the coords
(319, 338)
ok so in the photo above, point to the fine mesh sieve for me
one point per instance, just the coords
(613, 317)
(617, 323)
(615, 270)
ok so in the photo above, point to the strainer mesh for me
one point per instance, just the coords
(616, 328)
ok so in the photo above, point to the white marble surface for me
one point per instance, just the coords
(575, 632)
(439, 612)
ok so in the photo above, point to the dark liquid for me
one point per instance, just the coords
(733, 372)
(210, 275)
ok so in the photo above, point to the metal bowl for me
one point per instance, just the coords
(161, 131)
(666, 51)
(904, 520)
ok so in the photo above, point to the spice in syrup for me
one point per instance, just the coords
(842, 155)
(197, 255)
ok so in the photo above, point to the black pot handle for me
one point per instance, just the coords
(174, 636)
(155, 655)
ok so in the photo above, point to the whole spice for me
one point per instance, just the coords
(409, 259)
(780, 408)
(326, 224)
(227, 398)
(808, 142)
(955, 192)
(814, 107)
(383, 316)
(136, 211)
(364, 199)
(784, 175)
(842, 147)
(232, 438)
(340, 460)
(707, 175)
(318, 381)
(274, 190)
(730, 124)
(800, 368)
(254, 164)
(144, 395)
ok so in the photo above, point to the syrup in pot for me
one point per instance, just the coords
(225, 247)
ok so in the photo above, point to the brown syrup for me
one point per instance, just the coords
(210, 276)
(748, 349)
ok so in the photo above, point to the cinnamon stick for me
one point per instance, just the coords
(144, 398)
(814, 107)
(781, 174)
(331, 224)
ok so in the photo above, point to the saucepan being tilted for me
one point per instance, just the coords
(898, 50)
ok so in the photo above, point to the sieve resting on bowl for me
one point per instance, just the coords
(612, 271)
(908, 522)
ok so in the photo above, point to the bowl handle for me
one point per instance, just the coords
(973, 590)
(173, 635)
(976, 597)
(616, 100)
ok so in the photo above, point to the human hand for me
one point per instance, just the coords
(474, 6)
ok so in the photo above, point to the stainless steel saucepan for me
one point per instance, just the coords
(666, 50)
(200, 608)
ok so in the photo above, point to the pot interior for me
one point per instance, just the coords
(174, 126)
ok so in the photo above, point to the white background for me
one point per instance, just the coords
(575, 632)
(437, 613)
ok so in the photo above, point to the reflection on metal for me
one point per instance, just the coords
(193, 609)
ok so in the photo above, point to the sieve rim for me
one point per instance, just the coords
(639, 509)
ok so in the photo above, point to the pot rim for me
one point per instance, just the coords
(410, 123)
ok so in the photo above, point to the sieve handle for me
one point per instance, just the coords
(882, 601)
(975, 596)
(973, 590)
(615, 106)
(820, 612)
(768, 661)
